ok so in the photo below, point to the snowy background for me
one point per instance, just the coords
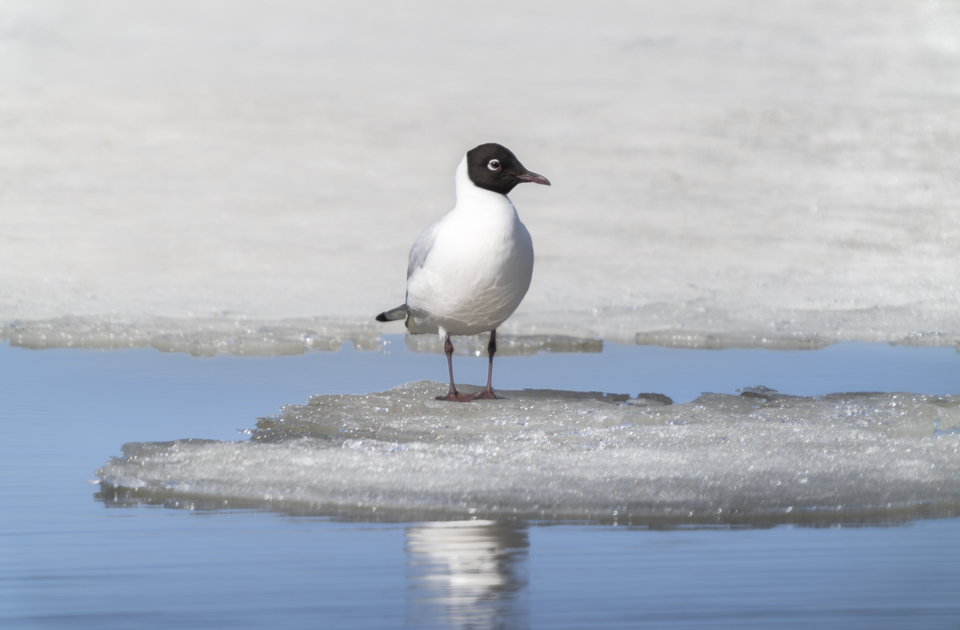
(761, 170)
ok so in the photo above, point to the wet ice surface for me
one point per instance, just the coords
(201, 337)
(239, 336)
(754, 457)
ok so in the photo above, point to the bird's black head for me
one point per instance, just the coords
(494, 167)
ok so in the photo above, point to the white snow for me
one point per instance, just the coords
(756, 457)
(752, 173)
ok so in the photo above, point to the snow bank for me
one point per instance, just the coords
(748, 170)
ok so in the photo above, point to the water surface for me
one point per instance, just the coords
(68, 560)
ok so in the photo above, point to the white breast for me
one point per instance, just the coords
(478, 267)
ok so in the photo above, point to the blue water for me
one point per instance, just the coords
(69, 561)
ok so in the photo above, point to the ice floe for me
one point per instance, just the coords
(754, 457)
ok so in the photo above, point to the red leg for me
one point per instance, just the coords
(487, 392)
(453, 395)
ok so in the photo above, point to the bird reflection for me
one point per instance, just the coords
(467, 574)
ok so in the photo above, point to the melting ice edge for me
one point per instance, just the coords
(756, 457)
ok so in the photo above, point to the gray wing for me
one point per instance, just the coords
(421, 248)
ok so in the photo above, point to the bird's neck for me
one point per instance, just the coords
(470, 196)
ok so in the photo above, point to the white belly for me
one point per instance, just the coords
(474, 277)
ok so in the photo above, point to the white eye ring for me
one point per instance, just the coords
(493, 165)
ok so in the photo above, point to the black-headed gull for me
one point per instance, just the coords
(469, 270)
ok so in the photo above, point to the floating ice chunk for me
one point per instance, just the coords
(196, 336)
(739, 323)
(718, 341)
(582, 332)
(549, 454)
(241, 336)
(507, 345)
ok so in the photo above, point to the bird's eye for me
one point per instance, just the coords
(493, 165)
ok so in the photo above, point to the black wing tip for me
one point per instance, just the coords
(382, 317)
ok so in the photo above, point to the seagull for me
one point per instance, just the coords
(469, 270)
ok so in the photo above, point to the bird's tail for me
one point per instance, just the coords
(393, 314)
